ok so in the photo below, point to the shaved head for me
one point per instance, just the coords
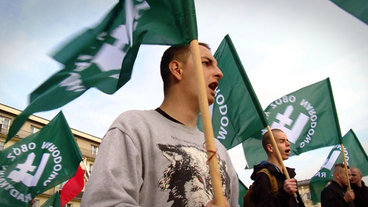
(339, 174)
(339, 168)
(266, 139)
(356, 176)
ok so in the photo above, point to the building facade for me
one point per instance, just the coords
(88, 145)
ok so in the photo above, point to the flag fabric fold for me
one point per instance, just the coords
(103, 57)
(307, 116)
(357, 8)
(53, 201)
(236, 112)
(73, 187)
(37, 163)
(355, 157)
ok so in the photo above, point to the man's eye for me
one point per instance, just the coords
(205, 63)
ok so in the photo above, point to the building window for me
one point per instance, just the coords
(5, 122)
(34, 129)
(2, 144)
(94, 149)
(69, 205)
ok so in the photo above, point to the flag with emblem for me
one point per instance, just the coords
(37, 163)
(236, 112)
(355, 157)
(53, 201)
(307, 116)
(103, 57)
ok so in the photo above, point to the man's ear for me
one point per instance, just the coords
(175, 69)
(269, 148)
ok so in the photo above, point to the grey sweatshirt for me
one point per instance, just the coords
(145, 159)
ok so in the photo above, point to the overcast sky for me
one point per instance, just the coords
(284, 45)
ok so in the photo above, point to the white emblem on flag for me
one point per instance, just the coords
(330, 162)
(22, 175)
(110, 57)
(284, 119)
(73, 83)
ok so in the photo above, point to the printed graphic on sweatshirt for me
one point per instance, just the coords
(188, 177)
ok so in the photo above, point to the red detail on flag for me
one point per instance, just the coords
(73, 187)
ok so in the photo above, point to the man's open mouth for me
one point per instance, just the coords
(213, 85)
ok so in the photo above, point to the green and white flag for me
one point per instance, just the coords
(307, 116)
(37, 163)
(236, 112)
(53, 201)
(103, 57)
(358, 8)
(355, 157)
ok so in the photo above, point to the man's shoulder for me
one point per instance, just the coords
(332, 186)
(326, 191)
(363, 185)
(133, 118)
(263, 165)
(263, 171)
(327, 187)
(135, 114)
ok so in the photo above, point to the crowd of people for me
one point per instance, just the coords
(157, 157)
(339, 193)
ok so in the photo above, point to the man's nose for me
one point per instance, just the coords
(218, 73)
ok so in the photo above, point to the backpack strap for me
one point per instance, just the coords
(274, 186)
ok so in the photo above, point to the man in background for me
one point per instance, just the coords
(335, 194)
(262, 190)
(359, 188)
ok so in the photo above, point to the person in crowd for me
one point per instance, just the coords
(287, 188)
(336, 193)
(359, 187)
(157, 157)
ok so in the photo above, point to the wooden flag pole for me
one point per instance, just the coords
(207, 125)
(281, 161)
(346, 165)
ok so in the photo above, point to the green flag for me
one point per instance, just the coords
(355, 157)
(236, 112)
(103, 57)
(358, 8)
(307, 116)
(37, 163)
(53, 201)
(242, 191)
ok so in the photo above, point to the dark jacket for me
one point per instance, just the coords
(333, 196)
(361, 195)
(262, 195)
